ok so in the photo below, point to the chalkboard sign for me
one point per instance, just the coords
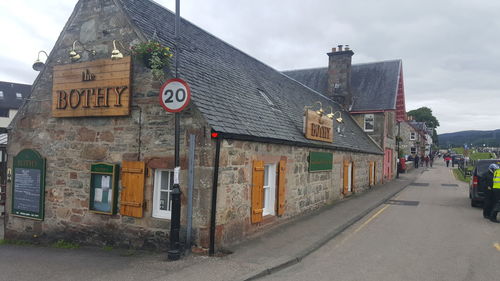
(103, 188)
(28, 185)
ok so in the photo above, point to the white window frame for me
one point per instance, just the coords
(367, 116)
(157, 212)
(269, 204)
(413, 136)
(413, 150)
(19, 96)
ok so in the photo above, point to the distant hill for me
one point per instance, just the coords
(476, 138)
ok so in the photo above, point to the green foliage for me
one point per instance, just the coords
(480, 155)
(154, 55)
(65, 245)
(424, 114)
(107, 248)
(459, 176)
(15, 242)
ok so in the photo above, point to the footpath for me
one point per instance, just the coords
(271, 251)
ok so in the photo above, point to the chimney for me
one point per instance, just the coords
(339, 75)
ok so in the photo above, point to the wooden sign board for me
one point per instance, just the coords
(320, 161)
(318, 127)
(28, 185)
(95, 88)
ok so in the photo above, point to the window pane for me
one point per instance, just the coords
(164, 180)
(164, 201)
(266, 175)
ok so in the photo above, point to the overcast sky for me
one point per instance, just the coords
(450, 48)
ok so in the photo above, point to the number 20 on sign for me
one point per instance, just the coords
(175, 95)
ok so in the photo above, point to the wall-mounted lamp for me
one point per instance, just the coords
(38, 65)
(76, 56)
(116, 54)
(331, 115)
(320, 111)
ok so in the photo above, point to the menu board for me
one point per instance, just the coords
(28, 185)
(103, 188)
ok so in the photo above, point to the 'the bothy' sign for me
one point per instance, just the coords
(318, 127)
(96, 88)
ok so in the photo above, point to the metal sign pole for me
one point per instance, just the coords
(174, 251)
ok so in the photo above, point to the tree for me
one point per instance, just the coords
(424, 114)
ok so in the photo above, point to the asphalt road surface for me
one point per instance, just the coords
(429, 231)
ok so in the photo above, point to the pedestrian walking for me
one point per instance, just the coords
(417, 159)
(426, 159)
(431, 159)
(447, 159)
(492, 194)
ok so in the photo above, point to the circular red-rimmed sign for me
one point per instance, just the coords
(175, 95)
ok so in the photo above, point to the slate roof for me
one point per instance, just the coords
(225, 85)
(10, 100)
(374, 85)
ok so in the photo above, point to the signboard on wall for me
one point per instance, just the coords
(320, 161)
(28, 185)
(103, 188)
(318, 127)
(95, 88)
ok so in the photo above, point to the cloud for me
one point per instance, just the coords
(449, 48)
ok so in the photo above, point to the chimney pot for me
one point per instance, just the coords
(334, 50)
(340, 48)
(346, 47)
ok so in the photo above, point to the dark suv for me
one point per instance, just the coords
(455, 159)
(477, 184)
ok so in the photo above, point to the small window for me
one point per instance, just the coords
(19, 96)
(413, 150)
(369, 123)
(162, 200)
(412, 136)
(1, 95)
(269, 190)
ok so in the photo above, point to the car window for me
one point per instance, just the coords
(482, 166)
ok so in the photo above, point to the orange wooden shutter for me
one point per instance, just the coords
(370, 175)
(352, 177)
(281, 187)
(257, 190)
(346, 176)
(132, 194)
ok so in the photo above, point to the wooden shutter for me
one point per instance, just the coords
(257, 190)
(346, 176)
(352, 177)
(370, 174)
(281, 187)
(132, 193)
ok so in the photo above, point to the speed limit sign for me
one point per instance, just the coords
(175, 95)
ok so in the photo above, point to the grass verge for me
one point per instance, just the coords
(459, 176)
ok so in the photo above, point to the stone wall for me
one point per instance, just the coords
(305, 191)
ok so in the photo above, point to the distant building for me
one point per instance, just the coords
(11, 98)
(372, 92)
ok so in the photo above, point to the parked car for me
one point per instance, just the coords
(477, 184)
(455, 159)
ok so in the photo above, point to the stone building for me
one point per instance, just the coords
(372, 92)
(247, 119)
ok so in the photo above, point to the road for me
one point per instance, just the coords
(428, 232)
